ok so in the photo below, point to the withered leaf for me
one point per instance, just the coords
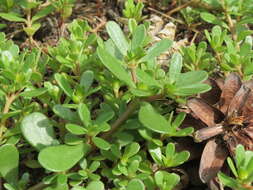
(206, 113)
(231, 86)
(212, 159)
(238, 101)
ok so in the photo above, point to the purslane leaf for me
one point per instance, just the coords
(115, 66)
(157, 49)
(9, 161)
(38, 130)
(117, 36)
(153, 120)
(62, 157)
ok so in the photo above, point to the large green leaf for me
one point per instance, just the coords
(62, 157)
(95, 185)
(191, 89)
(115, 66)
(153, 120)
(191, 78)
(9, 159)
(135, 184)
(157, 49)
(38, 130)
(12, 17)
(117, 36)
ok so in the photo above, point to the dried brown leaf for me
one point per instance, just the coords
(238, 101)
(231, 86)
(206, 113)
(212, 159)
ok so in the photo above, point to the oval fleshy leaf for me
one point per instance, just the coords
(9, 160)
(153, 120)
(38, 130)
(62, 157)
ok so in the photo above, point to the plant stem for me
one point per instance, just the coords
(178, 8)
(130, 109)
(8, 102)
(38, 186)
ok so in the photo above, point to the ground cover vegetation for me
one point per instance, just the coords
(126, 95)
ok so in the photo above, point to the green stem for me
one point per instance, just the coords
(38, 186)
(8, 102)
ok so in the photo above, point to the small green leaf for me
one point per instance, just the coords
(87, 80)
(181, 157)
(179, 119)
(170, 150)
(95, 185)
(153, 120)
(12, 17)
(64, 84)
(131, 150)
(117, 36)
(175, 67)
(227, 181)
(146, 78)
(33, 93)
(9, 160)
(76, 129)
(38, 130)
(62, 157)
(138, 37)
(157, 49)
(42, 13)
(135, 184)
(101, 143)
(115, 66)
(65, 113)
(84, 114)
(232, 166)
(239, 155)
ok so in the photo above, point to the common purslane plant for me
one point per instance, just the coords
(97, 112)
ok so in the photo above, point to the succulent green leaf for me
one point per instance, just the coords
(9, 161)
(135, 184)
(84, 114)
(190, 78)
(33, 93)
(87, 80)
(152, 119)
(95, 185)
(175, 67)
(62, 157)
(38, 130)
(76, 129)
(66, 113)
(157, 49)
(117, 36)
(115, 66)
(101, 143)
(12, 17)
(138, 37)
(64, 84)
